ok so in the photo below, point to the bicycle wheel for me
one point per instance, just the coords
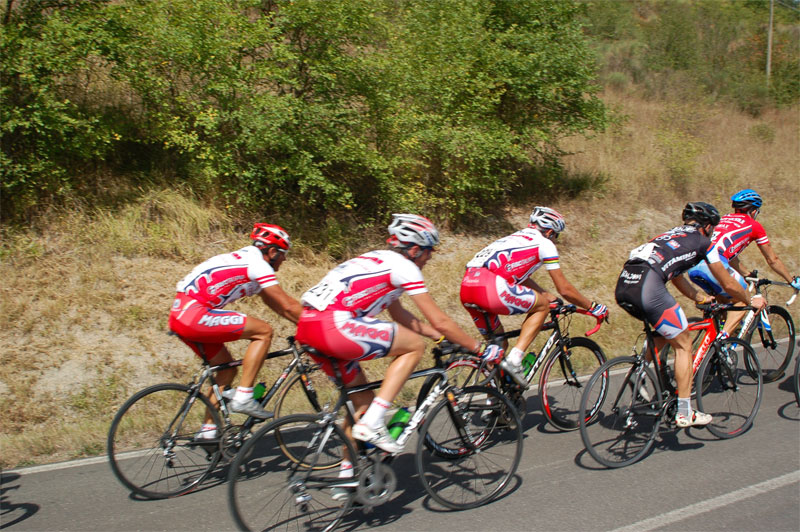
(479, 445)
(314, 393)
(307, 393)
(627, 399)
(563, 379)
(267, 490)
(774, 345)
(151, 443)
(730, 393)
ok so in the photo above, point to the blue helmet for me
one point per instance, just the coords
(746, 198)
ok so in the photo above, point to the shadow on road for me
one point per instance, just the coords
(13, 513)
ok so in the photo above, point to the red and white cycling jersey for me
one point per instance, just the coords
(367, 284)
(734, 232)
(516, 256)
(225, 278)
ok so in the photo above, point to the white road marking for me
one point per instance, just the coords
(711, 504)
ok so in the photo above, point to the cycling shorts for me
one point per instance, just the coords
(494, 296)
(643, 294)
(339, 334)
(701, 276)
(203, 328)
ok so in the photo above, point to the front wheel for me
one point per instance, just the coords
(563, 380)
(268, 489)
(796, 381)
(155, 445)
(730, 379)
(774, 343)
(478, 437)
(626, 400)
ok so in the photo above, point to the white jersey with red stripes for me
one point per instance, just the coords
(228, 277)
(367, 284)
(734, 232)
(516, 256)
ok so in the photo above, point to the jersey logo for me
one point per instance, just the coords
(672, 244)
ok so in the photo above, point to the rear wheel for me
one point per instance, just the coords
(773, 343)
(478, 444)
(268, 489)
(796, 381)
(731, 393)
(626, 396)
(563, 380)
(154, 443)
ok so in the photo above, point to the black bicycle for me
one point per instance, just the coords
(567, 364)
(154, 444)
(631, 397)
(284, 476)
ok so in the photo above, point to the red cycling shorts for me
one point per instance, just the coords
(493, 295)
(339, 334)
(203, 328)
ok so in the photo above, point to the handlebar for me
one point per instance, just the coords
(753, 281)
(558, 307)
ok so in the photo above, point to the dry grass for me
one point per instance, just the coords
(88, 301)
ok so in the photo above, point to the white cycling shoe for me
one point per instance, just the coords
(379, 437)
(696, 419)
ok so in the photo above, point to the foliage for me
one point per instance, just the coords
(309, 109)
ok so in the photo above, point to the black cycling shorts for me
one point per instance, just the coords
(642, 293)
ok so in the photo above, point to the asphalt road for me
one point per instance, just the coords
(691, 481)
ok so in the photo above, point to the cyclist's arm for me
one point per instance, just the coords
(442, 322)
(688, 289)
(282, 303)
(567, 291)
(737, 265)
(732, 287)
(402, 316)
(774, 262)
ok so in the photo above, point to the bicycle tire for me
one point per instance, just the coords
(773, 347)
(151, 446)
(731, 393)
(265, 486)
(562, 381)
(296, 397)
(627, 419)
(471, 467)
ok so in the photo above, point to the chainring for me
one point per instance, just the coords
(376, 484)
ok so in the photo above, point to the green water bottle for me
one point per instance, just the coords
(398, 422)
(528, 362)
(258, 391)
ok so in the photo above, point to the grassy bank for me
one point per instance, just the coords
(86, 294)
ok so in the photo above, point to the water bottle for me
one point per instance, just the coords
(398, 422)
(528, 362)
(258, 390)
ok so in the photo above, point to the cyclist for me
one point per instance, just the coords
(198, 318)
(732, 235)
(498, 281)
(641, 290)
(338, 320)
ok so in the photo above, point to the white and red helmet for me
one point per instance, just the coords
(409, 229)
(547, 218)
(264, 235)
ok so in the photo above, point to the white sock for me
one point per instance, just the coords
(208, 431)
(515, 355)
(346, 469)
(685, 406)
(374, 415)
(243, 394)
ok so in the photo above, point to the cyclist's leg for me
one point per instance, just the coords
(260, 334)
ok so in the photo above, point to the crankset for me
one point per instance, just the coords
(376, 484)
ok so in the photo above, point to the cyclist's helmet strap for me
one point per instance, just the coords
(701, 212)
(746, 199)
(547, 218)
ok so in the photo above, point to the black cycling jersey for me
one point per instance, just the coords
(675, 251)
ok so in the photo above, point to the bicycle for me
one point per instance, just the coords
(567, 362)
(153, 446)
(284, 476)
(775, 330)
(631, 400)
(796, 381)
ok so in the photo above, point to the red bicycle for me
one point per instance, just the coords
(630, 397)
